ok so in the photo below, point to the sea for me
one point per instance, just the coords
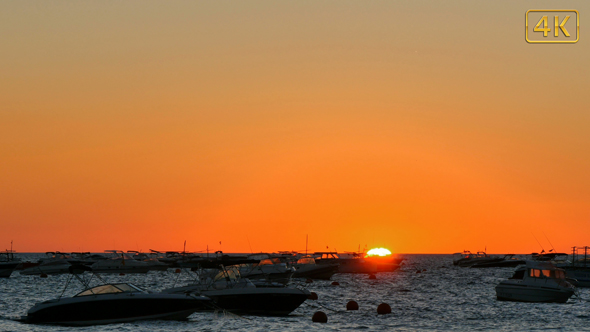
(427, 293)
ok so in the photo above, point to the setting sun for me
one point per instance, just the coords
(378, 252)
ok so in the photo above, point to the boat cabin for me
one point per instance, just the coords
(539, 270)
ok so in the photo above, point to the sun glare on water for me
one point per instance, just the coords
(378, 252)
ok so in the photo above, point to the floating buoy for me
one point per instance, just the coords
(312, 296)
(423, 270)
(121, 274)
(352, 305)
(309, 281)
(335, 283)
(383, 309)
(43, 275)
(372, 276)
(319, 317)
(177, 271)
(418, 271)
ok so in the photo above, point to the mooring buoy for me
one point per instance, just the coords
(319, 317)
(352, 305)
(383, 309)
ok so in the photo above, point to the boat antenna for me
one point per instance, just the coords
(249, 244)
(549, 242)
(538, 241)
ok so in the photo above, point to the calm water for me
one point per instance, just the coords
(443, 297)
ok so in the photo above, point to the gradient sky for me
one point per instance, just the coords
(419, 126)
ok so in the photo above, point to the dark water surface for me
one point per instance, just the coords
(443, 297)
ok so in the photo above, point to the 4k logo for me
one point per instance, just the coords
(552, 26)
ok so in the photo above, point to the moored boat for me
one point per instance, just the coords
(7, 263)
(467, 259)
(240, 295)
(113, 303)
(354, 262)
(52, 266)
(507, 261)
(536, 282)
(307, 268)
(120, 263)
(270, 269)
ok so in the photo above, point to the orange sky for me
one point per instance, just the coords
(422, 127)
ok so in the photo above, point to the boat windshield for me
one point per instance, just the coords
(110, 289)
(556, 274)
(270, 261)
(227, 274)
(306, 261)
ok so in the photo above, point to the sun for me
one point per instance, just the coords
(378, 252)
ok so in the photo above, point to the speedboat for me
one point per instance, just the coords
(507, 261)
(307, 268)
(536, 282)
(7, 263)
(114, 303)
(467, 259)
(240, 295)
(270, 269)
(347, 263)
(153, 263)
(355, 262)
(120, 263)
(52, 266)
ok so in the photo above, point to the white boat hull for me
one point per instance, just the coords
(527, 293)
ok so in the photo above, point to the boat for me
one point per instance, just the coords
(120, 263)
(536, 282)
(507, 261)
(467, 258)
(553, 257)
(7, 263)
(49, 266)
(269, 269)
(354, 262)
(239, 295)
(153, 263)
(110, 303)
(306, 267)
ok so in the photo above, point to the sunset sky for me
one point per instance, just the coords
(418, 126)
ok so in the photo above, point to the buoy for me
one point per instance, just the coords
(312, 296)
(372, 276)
(335, 283)
(177, 271)
(43, 275)
(423, 270)
(309, 281)
(418, 271)
(121, 274)
(319, 317)
(352, 305)
(383, 309)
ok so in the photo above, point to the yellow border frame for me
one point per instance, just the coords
(526, 26)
